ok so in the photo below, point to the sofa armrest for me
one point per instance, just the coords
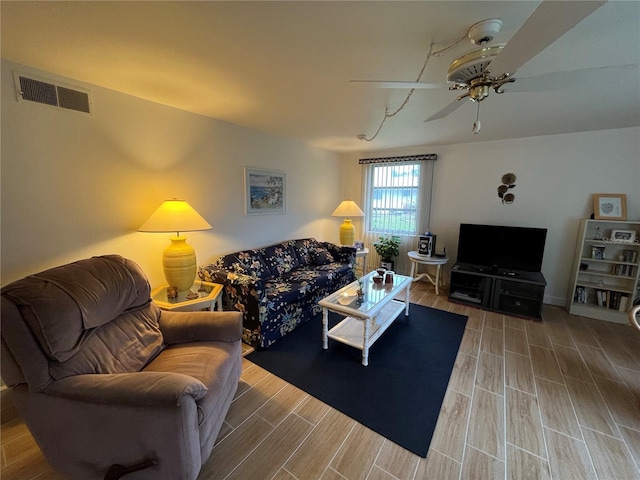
(130, 389)
(184, 327)
(247, 284)
(242, 293)
(341, 253)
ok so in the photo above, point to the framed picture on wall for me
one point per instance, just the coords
(264, 191)
(609, 206)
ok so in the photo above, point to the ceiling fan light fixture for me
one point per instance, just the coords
(479, 93)
(472, 64)
(483, 32)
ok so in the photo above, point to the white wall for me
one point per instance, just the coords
(556, 177)
(74, 186)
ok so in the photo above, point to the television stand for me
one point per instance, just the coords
(482, 269)
(510, 274)
(504, 291)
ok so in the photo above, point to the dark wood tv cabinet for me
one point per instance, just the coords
(498, 290)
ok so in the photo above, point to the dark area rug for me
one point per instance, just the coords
(399, 394)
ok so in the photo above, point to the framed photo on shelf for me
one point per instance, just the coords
(609, 206)
(264, 191)
(359, 244)
(623, 236)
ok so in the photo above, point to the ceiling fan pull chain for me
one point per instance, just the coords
(388, 114)
(406, 100)
(476, 124)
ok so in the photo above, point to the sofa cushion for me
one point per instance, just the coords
(321, 256)
(322, 276)
(284, 292)
(281, 259)
(301, 248)
(247, 262)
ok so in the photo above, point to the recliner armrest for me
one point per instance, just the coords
(184, 327)
(137, 389)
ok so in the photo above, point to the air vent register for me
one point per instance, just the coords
(49, 93)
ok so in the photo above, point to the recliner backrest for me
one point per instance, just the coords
(90, 316)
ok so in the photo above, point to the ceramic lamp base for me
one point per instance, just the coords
(179, 264)
(347, 232)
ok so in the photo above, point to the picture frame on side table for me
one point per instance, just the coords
(264, 191)
(609, 206)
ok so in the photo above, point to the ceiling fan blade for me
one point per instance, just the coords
(446, 110)
(585, 78)
(401, 85)
(547, 23)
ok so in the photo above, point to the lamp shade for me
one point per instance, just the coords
(174, 216)
(348, 208)
(179, 258)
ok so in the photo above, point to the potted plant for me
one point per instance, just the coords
(387, 247)
(360, 292)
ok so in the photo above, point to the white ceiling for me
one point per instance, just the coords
(285, 67)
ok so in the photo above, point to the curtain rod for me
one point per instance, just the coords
(408, 158)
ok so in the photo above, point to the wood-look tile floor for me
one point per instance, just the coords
(557, 399)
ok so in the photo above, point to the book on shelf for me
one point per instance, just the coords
(601, 297)
(614, 300)
(624, 302)
(580, 295)
(623, 270)
(611, 299)
(630, 256)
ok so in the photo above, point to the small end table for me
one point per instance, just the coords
(417, 259)
(208, 296)
(363, 254)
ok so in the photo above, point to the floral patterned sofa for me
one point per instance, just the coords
(278, 287)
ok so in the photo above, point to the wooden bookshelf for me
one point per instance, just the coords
(604, 277)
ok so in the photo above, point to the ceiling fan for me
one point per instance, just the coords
(487, 68)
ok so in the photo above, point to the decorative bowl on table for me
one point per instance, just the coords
(377, 279)
(346, 298)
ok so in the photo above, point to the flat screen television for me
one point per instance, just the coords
(494, 247)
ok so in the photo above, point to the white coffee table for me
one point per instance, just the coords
(366, 322)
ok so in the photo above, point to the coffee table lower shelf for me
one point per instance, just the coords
(363, 333)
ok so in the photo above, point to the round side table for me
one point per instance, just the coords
(417, 259)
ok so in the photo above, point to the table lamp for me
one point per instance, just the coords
(178, 259)
(348, 208)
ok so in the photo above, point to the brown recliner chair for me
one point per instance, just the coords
(109, 384)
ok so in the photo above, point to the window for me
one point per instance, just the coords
(397, 196)
(394, 199)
